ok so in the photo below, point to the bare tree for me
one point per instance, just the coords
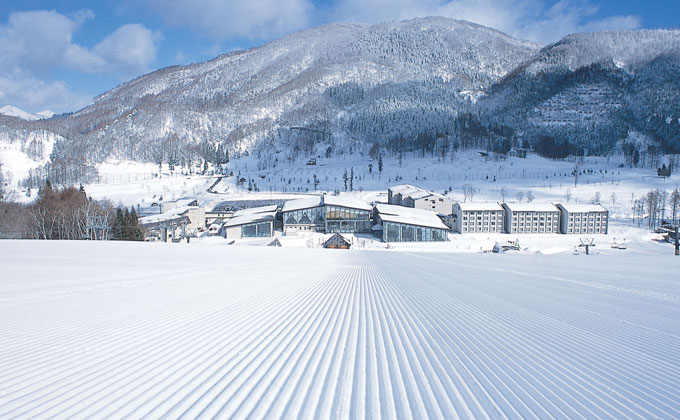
(613, 197)
(575, 173)
(597, 197)
(652, 206)
(520, 196)
(503, 194)
(675, 202)
(567, 195)
(530, 196)
(468, 192)
(2, 184)
(663, 197)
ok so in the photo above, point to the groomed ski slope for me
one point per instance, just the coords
(121, 330)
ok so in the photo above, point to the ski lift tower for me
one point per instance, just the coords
(98, 228)
(587, 243)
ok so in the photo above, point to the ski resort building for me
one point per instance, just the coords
(531, 218)
(477, 218)
(217, 216)
(583, 218)
(179, 219)
(404, 224)
(337, 241)
(395, 193)
(327, 214)
(418, 198)
(251, 223)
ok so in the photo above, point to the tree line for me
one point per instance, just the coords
(68, 214)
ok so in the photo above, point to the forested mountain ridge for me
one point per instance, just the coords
(400, 85)
(590, 91)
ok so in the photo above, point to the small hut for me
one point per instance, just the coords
(275, 242)
(337, 241)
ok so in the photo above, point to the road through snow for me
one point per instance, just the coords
(116, 330)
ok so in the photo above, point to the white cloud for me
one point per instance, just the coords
(36, 43)
(20, 88)
(528, 19)
(129, 50)
(220, 20)
(566, 17)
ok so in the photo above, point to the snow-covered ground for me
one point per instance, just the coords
(490, 180)
(132, 183)
(141, 330)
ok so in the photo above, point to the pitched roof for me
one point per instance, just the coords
(252, 215)
(303, 203)
(256, 210)
(350, 202)
(336, 238)
(399, 188)
(174, 214)
(409, 216)
(413, 192)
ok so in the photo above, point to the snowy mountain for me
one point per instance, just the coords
(47, 113)
(348, 87)
(590, 90)
(13, 111)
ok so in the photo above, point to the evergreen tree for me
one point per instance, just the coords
(135, 230)
(118, 225)
(127, 224)
(344, 178)
(380, 163)
(351, 180)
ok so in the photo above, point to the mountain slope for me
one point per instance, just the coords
(347, 86)
(12, 111)
(303, 79)
(592, 89)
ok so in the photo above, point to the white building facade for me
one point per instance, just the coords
(404, 224)
(583, 218)
(531, 218)
(418, 198)
(478, 218)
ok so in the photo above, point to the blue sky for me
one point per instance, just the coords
(59, 54)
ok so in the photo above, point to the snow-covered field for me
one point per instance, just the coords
(141, 330)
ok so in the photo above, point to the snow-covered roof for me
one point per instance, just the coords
(216, 224)
(247, 218)
(350, 202)
(330, 200)
(409, 216)
(413, 192)
(256, 210)
(480, 206)
(531, 207)
(174, 214)
(403, 187)
(419, 194)
(583, 208)
(302, 203)
(184, 202)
